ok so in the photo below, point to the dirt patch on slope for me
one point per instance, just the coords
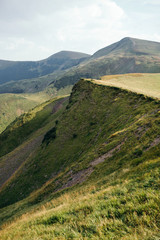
(58, 105)
(19, 112)
(106, 155)
(155, 142)
(76, 178)
(81, 176)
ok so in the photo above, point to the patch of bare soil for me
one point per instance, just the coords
(155, 142)
(77, 178)
(81, 176)
(106, 155)
(140, 131)
(58, 105)
(19, 111)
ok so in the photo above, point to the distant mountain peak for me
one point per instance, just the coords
(129, 46)
(126, 39)
(69, 55)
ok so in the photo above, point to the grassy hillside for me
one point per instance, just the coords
(13, 105)
(146, 84)
(95, 175)
(26, 124)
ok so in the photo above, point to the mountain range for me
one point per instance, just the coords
(14, 70)
(63, 69)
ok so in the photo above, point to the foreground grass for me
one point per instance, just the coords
(145, 83)
(128, 208)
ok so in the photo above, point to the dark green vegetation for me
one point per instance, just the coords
(126, 56)
(50, 135)
(96, 173)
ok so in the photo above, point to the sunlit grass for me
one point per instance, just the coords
(147, 84)
(123, 211)
(13, 105)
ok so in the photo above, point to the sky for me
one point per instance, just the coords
(36, 29)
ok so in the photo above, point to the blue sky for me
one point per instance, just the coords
(36, 29)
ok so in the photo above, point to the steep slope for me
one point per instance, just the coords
(14, 71)
(19, 130)
(96, 173)
(31, 128)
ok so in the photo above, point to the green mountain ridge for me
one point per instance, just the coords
(129, 55)
(130, 46)
(94, 173)
(18, 70)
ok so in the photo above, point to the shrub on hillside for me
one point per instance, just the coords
(50, 135)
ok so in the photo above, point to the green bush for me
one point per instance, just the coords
(49, 136)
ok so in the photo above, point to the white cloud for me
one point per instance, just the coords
(32, 30)
(55, 25)
(152, 2)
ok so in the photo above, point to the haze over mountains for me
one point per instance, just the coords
(129, 55)
(15, 70)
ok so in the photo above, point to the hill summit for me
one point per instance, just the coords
(68, 55)
(130, 46)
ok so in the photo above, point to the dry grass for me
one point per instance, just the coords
(147, 84)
